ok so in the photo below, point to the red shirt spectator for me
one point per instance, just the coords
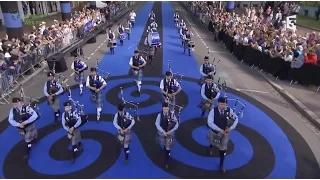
(311, 58)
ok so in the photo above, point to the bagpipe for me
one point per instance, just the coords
(104, 74)
(215, 62)
(173, 119)
(177, 76)
(78, 108)
(133, 107)
(232, 117)
(60, 79)
(32, 102)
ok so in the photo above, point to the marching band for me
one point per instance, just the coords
(221, 119)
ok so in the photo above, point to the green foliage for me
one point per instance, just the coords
(310, 3)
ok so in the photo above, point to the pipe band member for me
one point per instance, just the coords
(112, 42)
(206, 69)
(127, 28)
(182, 32)
(166, 124)
(70, 122)
(176, 18)
(52, 89)
(153, 24)
(152, 16)
(209, 93)
(170, 88)
(79, 67)
(121, 33)
(187, 39)
(221, 120)
(132, 16)
(124, 122)
(96, 84)
(137, 63)
(23, 117)
(182, 25)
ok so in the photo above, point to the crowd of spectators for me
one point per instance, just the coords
(20, 56)
(264, 29)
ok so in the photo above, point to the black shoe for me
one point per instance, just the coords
(166, 166)
(222, 170)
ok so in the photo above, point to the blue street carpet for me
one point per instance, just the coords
(263, 145)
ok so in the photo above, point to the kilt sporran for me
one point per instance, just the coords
(79, 77)
(54, 103)
(125, 138)
(218, 140)
(205, 105)
(97, 99)
(166, 141)
(30, 132)
(137, 74)
(76, 137)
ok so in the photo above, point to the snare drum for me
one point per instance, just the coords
(122, 36)
(114, 44)
(191, 44)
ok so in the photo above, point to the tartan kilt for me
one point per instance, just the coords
(31, 133)
(56, 104)
(218, 141)
(79, 78)
(186, 45)
(98, 100)
(76, 138)
(166, 141)
(125, 138)
(202, 80)
(137, 76)
(205, 105)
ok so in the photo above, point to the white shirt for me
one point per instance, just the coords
(95, 78)
(175, 83)
(132, 15)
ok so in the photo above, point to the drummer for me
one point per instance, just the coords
(128, 28)
(121, 34)
(112, 42)
(187, 40)
(182, 32)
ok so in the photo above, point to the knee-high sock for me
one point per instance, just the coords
(167, 155)
(126, 151)
(56, 115)
(222, 154)
(28, 147)
(99, 109)
(74, 151)
(81, 87)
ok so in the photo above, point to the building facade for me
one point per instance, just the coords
(30, 9)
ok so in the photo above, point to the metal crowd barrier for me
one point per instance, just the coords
(307, 74)
(28, 63)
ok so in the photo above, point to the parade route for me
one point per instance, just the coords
(272, 140)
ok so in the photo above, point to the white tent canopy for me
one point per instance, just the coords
(101, 4)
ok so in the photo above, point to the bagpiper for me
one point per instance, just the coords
(209, 93)
(128, 29)
(206, 69)
(132, 18)
(187, 39)
(112, 42)
(170, 87)
(137, 63)
(96, 84)
(23, 117)
(121, 34)
(166, 124)
(79, 67)
(221, 120)
(124, 122)
(71, 120)
(52, 89)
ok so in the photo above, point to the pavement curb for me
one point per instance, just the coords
(306, 112)
(308, 27)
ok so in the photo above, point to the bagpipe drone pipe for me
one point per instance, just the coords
(132, 108)
(78, 108)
